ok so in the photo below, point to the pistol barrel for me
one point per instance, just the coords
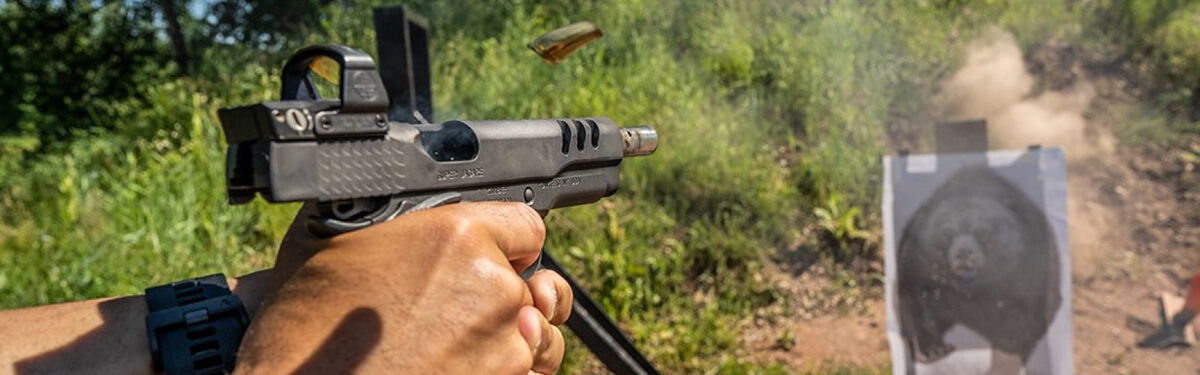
(639, 140)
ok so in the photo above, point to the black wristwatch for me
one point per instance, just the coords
(195, 326)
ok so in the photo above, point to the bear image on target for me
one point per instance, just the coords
(978, 253)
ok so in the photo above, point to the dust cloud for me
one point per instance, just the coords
(995, 84)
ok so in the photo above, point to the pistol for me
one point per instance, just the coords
(360, 168)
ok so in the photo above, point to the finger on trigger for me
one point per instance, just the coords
(552, 295)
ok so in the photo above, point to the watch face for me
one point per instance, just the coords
(978, 253)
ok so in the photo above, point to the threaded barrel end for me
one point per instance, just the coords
(639, 140)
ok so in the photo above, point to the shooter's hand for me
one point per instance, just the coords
(436, 291)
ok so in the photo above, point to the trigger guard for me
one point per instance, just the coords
(329, 227)
(430, 202)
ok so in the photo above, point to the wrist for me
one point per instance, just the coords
(252, 289)
(197, 325)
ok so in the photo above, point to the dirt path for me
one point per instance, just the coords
(1151, 208)
(1135, 227)
(1134, 222)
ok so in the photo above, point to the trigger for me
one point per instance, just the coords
(533, 268)
(431, 202)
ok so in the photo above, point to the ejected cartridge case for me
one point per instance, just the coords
(556, 45)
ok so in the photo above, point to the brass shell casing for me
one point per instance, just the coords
(556, 45)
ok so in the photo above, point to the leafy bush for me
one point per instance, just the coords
(1159, 37)
(112, 214)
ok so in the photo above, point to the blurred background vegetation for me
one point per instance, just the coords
(773, 115)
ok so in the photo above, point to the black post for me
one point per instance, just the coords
(589, 321)
(402, 40)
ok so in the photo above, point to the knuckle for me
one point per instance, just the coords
(525, 217)
(458, 229)
(536, 225)
(511, 289)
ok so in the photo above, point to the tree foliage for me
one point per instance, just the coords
(66, 63)
(74, 66)
(264, 23)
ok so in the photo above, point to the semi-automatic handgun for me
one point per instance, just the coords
(363, 169)
(361, 164)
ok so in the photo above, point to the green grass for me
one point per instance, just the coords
(773, 116)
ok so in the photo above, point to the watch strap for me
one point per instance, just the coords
(195, 326)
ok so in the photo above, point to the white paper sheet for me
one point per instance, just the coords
(976, 235)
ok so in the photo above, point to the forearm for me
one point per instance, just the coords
(106, 335)
(101, 335)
